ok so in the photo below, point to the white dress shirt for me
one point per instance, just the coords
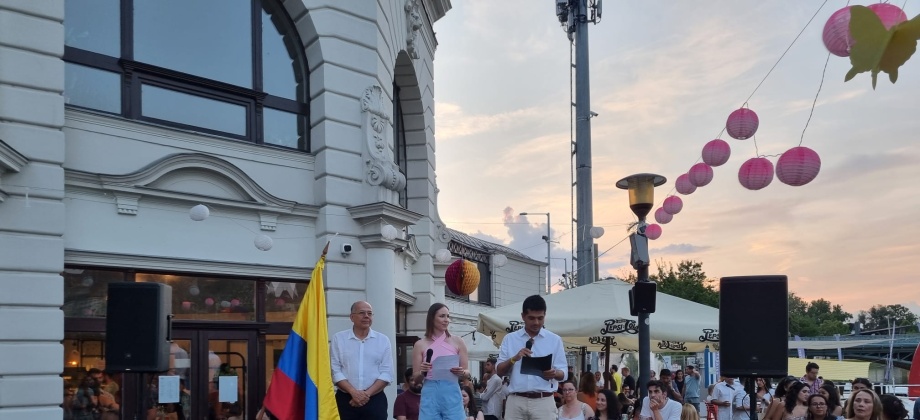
(361, 362)
(544, 343)
(724, 392)
(492, 397)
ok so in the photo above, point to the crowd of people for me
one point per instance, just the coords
(509, 390)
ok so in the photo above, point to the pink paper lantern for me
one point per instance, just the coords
(683, 185)
(653, 231)
(234, 302)
(280, 302)
(836, 36)
(209, 301)
(186, 305)
(700, 174)
(756, 173)
(889, 14)
(742, 124)
(798, 166)
(673, 205)
(662, 216)
(716, 152)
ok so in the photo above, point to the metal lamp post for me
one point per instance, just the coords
(641, 189)
(548, 238)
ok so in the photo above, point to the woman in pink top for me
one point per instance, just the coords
(441, 399)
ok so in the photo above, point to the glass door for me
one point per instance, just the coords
(213, 371)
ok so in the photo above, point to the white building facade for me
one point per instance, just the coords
(295, 123)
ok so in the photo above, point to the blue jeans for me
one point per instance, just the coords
(441, 400)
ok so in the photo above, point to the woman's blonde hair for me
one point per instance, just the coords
(876, 405)
(689, 412)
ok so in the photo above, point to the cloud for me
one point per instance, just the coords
(679, 249)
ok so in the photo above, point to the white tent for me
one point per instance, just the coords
(479, 347)
(590, 314)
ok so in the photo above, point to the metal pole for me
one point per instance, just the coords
(548, 259)
(583, 190)
(645, 364)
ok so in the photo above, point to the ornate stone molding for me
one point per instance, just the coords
(10, 161)
(413, 25)
(181, 177)
(381, 170)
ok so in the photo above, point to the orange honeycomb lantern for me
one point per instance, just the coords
(462, 277)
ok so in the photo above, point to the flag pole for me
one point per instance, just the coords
(326, 249)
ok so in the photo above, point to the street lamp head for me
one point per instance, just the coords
(641, 189)
(523, 213)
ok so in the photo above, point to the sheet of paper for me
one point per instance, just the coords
(536, 365)
(168, 389)
(440, 367)
(227, 388)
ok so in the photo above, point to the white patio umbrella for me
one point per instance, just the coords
(479, 347)
(591, 314)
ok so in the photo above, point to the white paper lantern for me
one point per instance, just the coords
(224, 304)
(388, 232)
(264, 242)
(199, 212)
(596, 232)
(499, 260)
(193, 290)
(442, 255)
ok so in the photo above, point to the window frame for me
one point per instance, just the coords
(135, 74)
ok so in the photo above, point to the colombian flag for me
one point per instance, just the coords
(302, 386)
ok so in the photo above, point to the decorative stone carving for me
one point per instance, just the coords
(381, 170)
(127, 203)
(413, 25)
(268, 221)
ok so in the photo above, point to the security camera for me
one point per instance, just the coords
(346, 249)
(593, 114)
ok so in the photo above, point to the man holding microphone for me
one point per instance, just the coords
(531, 396)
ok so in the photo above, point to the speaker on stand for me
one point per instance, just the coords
(138, 327)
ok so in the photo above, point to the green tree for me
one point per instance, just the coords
(877, 318)
(687, 281)
(815, 318)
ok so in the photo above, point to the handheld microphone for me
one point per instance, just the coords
(529, 344)
(428, 355)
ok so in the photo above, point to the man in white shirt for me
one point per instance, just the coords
(530, 397)
(741, 405)
(362, 366)
(722, 396)
(657, 405)
(492, 397)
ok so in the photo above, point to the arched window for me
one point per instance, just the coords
(229, 67)
(399, 144)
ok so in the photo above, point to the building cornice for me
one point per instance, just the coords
(10, 161)
(248, 194)
(182, 265)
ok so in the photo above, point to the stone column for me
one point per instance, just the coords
(31, 208)
(382, 260)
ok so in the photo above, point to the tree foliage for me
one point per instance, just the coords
(815, 318)
(806, 319)
(687, 281)
(877, 318)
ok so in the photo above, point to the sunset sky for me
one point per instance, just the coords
(664, 77)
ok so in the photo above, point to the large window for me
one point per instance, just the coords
(229, 67)
(399, 145)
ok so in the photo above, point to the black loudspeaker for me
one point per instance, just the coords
(642, 297)
(754, 326)
(137, 327)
